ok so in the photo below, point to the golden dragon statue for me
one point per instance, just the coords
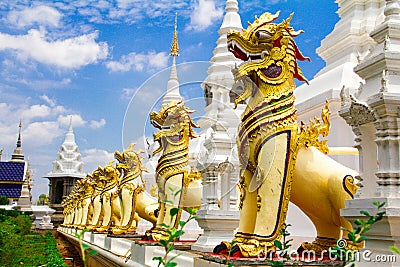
(109, 198)
(134, 199)
(178, 186)
(68, 211)
(96, 210)
(280, 160)
(85, 200)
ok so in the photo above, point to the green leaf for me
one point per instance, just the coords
(174, 257)
(278, 244)
(363, 212)
(182, 223)
(176, 193)
(361, 238)
(91, 253)
(160, 259)
(174, 211)
(173, 231)
(171, 264)
(85, 246)
(163, 242)
(358, 222)
(395, 249)
(170, 189)
(351, 236)
(366, 229)
(357, 230)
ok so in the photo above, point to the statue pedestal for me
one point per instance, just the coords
(46, 223)
(218, 226)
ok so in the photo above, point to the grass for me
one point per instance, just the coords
(21, 247)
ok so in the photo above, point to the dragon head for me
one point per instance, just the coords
(175, 125)
(130, 159)
(267, 49)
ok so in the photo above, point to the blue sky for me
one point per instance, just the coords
(87, 59)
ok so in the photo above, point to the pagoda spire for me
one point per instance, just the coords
(175, 46)
(220, 80)
(70, 136)
(172, 93)
(18, 155)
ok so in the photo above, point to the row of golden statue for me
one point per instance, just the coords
(280, 161)
(113, 198)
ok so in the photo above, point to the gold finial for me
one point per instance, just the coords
(174, 46)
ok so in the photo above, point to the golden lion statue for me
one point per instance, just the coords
(135, 202)
(178, 186)
(281, 161)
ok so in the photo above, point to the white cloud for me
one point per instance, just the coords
(76, 119)
(94, 157)
(35, 111)
(49, 101)
(139, 62)
(97, 124)
(71, 53)
(127, 93)
(43, 15)
(42, 133)
(204, 14)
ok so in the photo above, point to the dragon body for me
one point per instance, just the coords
(280, 160)
(178, 186)
(135, 202)
(109, 198)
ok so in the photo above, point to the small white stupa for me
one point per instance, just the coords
(67, 170)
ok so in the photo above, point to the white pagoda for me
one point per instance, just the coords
(67, 169)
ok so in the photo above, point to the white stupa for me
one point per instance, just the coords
(342, 50)
(173, 93)
(67, 168)
(218, 84)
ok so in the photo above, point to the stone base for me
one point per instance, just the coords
(46, 226)
(218, 226)
(127, 252)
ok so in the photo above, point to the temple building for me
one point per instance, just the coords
(67, 169)
(13, 173)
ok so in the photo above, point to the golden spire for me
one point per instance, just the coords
(174, 46)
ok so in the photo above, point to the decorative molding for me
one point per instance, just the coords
(357, 113)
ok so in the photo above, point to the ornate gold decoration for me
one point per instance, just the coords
(174, 46)
(269, 125)
(309, 135)
(130, 164)
(153, 191)
(175, 130)
(323, 244)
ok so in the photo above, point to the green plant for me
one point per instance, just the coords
(54, 258)
(4, 200)
(173, 235)
(356, 236)
(24, 224)
(394, 249)
(282, 247)
(85, 253)
(18, 246)
(227, 257)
